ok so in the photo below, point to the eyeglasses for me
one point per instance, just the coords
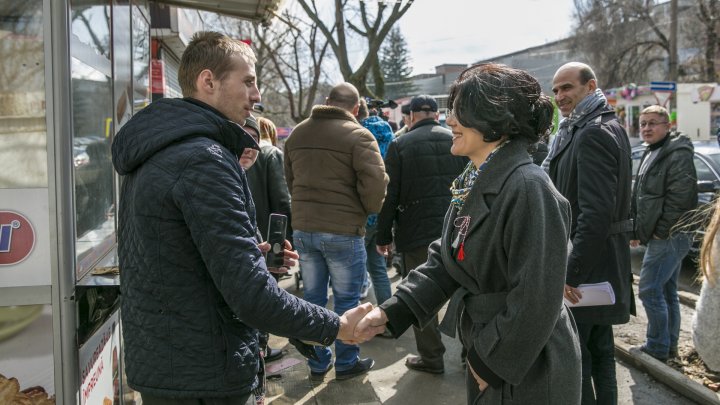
(651, 124)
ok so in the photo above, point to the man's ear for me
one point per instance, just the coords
(592, 85)
(356, 109)
(205, 82)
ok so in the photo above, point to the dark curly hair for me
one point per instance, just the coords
(498, 100)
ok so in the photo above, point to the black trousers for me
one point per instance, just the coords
(599, 383)
(428, 340)
(153, 400)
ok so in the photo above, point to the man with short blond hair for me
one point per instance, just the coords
(195, 286)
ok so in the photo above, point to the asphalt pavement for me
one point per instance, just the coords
(641, 380)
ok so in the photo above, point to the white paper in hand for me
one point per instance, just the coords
(594, 294)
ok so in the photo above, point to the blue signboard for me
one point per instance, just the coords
(663, 86)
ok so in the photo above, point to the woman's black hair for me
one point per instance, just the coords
(498, 100)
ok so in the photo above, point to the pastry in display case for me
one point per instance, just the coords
(10, 393)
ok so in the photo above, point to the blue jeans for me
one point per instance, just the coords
(658, 291)
(340, 258)
(376, 267)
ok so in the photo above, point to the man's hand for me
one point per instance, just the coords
(372, 324)
(634, 243)
(572, 294)
(349, 320)
(481, 383)
(383, 250)
(290, 257)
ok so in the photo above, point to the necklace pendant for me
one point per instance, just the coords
(456, 242)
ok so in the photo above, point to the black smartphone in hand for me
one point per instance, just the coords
(276, 238)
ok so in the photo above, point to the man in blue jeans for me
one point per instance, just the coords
(336, 178)
(665, 192)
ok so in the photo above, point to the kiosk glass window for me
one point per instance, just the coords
(141, 59)
(93, 129)
(23, 131)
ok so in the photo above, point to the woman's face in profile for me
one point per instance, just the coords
(465, 141)
(249, 155)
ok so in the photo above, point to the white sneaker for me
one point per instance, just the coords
(365, 290)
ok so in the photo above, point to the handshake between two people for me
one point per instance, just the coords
(357, 325)
(361, 324)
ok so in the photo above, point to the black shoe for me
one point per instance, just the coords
(273, 354)
(319, 375)
(418, 364)
(362, 366)
(645, 350)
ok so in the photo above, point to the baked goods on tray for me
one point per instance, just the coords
(10, 394)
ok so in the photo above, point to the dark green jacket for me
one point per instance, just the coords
(667, 190)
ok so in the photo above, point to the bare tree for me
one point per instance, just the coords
(296, 55)
(634, 43)
(374, 28)
(708, 13)
(289, 53)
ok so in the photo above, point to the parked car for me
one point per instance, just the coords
(707, 166)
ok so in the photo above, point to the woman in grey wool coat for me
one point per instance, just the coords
(706, 322)
(502, 254)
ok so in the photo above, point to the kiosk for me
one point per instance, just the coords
(72, 73)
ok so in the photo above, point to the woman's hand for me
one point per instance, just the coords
(572, 294)
(481, 383)
(290, 257)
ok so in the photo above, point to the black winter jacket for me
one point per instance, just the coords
(194, 283)
(593, 171)
(269, 188)
(667, 191)
(421, 170)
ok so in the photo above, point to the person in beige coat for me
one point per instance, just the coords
(336, 178)
(503, 252)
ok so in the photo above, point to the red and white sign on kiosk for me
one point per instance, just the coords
(99, 365)
(663, 91)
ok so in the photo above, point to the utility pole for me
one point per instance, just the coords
(673, 57)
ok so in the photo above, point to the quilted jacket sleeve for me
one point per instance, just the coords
(214, 198)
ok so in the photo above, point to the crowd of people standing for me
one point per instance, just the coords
(483, 223)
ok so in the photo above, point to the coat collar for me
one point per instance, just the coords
(331, 112)
(491, 180)
(567, 140)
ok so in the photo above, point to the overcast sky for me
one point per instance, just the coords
(465, 31)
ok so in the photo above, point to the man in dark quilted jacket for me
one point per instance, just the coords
(195, 287)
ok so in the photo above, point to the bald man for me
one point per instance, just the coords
(589, 162)
(336, 178)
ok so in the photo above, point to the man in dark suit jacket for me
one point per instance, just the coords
(589, 162)
(421, 170)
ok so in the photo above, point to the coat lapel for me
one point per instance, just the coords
(491, 180)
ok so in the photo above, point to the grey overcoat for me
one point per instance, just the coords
(507, 291)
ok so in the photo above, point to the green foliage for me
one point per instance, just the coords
(395, 65)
